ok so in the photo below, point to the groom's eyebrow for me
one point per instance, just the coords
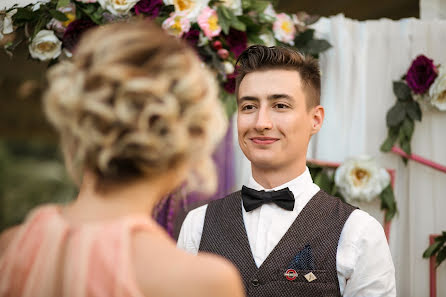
(247, 98)
(279, 96)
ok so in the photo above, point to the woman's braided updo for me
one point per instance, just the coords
(134, 102)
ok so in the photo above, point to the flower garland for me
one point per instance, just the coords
(358, 179)
(218, 30)
(424, 84)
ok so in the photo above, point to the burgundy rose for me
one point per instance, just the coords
(151, 8)
(237, 41)
(421, 74)
(229, 85)
(192, 37)
(74, 32)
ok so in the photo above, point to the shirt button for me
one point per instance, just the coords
(255, 282)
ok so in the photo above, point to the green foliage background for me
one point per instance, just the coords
(31, 173)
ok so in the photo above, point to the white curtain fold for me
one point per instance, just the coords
(357, 75)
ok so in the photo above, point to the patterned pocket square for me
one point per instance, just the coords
(303, 260)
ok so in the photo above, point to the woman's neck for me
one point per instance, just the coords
(138, 197)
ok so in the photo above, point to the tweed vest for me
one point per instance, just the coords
(317, 227)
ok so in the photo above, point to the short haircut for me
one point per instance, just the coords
(261, 58)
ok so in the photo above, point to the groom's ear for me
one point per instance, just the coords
(317, 118)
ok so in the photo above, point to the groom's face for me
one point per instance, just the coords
(274, 125)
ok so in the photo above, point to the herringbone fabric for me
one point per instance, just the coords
(319, 226)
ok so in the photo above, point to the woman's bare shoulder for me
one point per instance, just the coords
(163, 270)
(6, 237)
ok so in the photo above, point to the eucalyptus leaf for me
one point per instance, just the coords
(402, 91)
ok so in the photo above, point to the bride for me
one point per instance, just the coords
(137, 116)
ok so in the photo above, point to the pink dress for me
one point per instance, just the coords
(49, 257)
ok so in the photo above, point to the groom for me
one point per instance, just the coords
(286, 236)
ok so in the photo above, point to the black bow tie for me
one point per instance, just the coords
(252, 199)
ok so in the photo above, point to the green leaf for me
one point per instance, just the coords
(303, 38)
(227, 13)
(323, 181)
(24, 15)
(390, 140)
(259, 5)
(58, 15)
(388, 202)
(246, 4)
(63, 3)
(405, 146)
(441, 256)
(251, 26)
(414, 111)
(238, 25)
(255, 39)
(402, 91)
(396, 115)
(408, 128)
(223, 20)
(317, 46)
(432, 249)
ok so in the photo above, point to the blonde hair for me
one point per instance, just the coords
(135, 102)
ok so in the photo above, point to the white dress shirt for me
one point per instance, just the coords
(363, 261)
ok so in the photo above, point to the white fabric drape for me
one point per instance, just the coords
(357, 75)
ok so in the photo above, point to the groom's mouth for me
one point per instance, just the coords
(263, 140)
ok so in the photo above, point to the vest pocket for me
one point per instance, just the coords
(304, 276)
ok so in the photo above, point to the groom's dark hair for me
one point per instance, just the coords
(261, 58)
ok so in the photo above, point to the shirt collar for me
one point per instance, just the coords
(297, 185)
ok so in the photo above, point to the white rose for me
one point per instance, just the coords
(6, 23)
(190, 8)
(37, 5)
(270, 12)
(268, 39)
(118, 7)
(437, 90)
(361, 179)
(234, 5)
(45, 46)
(229, 68)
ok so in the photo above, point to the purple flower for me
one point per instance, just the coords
(191, 37)
(151, 8)
(237, 41)
(74, 32)
(421, 74)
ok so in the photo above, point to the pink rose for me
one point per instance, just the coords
(208, 22)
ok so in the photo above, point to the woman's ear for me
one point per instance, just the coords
(317, 118)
